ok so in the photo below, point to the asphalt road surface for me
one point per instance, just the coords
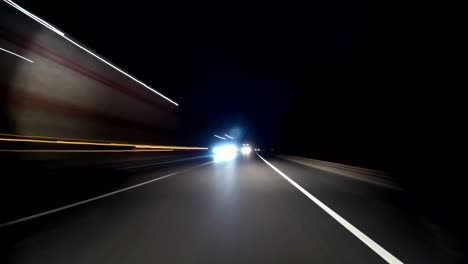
(255, 209)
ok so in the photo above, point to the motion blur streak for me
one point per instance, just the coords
(100, 144)
(150, 150)
(87, 50)
(169, 147)
(47, 25)
(19, 56)
(220, 137)
(81, 150)
(121, 71)
(55, 138)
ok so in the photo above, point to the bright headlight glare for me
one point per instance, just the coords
(225, 149)
(225, 153)
(246, 150)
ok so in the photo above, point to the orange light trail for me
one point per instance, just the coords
(55, 138)
(81, 150)
(48, 140)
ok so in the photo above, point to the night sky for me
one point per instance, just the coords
(338, 80)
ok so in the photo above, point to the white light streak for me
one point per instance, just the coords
(19, 56)
(121, 71)
(47, 25)
(220, 137)
(228, 136)
(29, 14)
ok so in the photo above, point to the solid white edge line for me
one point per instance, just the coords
(19, 56)
(94, 198)
(361, 236)
(47, 25)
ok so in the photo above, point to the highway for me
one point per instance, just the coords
(253, 209)
(120, 163)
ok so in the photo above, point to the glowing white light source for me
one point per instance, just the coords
(224, 149)
(19, 56)
(220, 137)
(228, 136)
(225, 153)
(246, 150)
(47, 25)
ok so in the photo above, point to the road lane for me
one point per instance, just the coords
(387, 256)
(228, 212)
(65, 207)
(386, 215)
(43, 185)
